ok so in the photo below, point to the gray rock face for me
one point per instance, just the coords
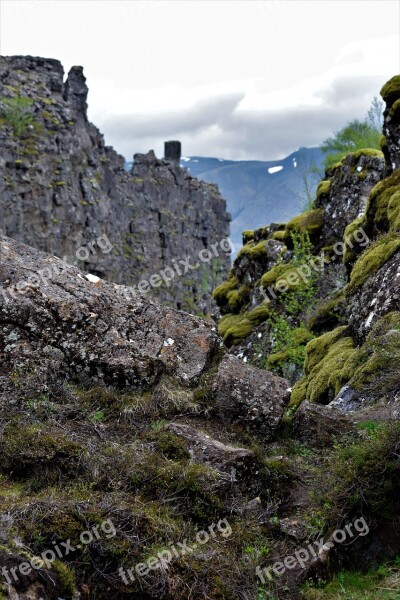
(351, 184)
(64, 192)
(378, 295)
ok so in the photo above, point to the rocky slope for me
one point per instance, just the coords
(140, 459)
(62, 190)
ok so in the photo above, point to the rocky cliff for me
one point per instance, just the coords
(62, 190)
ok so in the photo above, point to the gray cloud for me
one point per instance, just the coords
(217, 127)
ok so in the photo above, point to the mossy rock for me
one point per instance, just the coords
(253, 250)
(371, 152)
(395, 110)
(247, 235)
(318, 347)
(328, 366)
(220, 294)
(373, 259)
(227, 321)
(258, 314)
(280, 236)
(310, 221)
(324, 188)
(276, 273)
(393, 211)
(236, 333)
(237, 298)
(378, 202)
(379, 357)
(390, 92)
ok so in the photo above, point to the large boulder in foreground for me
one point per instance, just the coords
(58, 325)
(103, 332)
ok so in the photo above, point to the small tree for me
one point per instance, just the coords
(309, 174)
(18, 113)
(374, 116)
(355, 136)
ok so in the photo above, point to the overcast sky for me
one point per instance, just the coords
(240, 80)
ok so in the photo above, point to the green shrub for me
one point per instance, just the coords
(18, 112)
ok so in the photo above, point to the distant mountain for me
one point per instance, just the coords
(259, 192)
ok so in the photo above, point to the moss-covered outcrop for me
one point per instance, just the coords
(333, 361)
(310, 221)
(372, 259)
(390, 92)
(328, 367)
(383, 208)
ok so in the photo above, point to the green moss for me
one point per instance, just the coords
(395, 108)
(329, 376)
(169, 445)
(379, 357)
(258, 314)
(280, 236)
(328, 366)
(238, 332)
(220, 294)
(324, 188)
(237, 298)
(270, 277)
(254, 250)
(319, 347)
(247, 235)
(29, 448)
(373, 259)
(390, 92)
(278, 358)
(393, 211)
(379, 199)
(383, 143)
(332, 361)
(227, 321)
(299, 393)
(367, 152)
(66, 578)
(310, 221)
(335, 166)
